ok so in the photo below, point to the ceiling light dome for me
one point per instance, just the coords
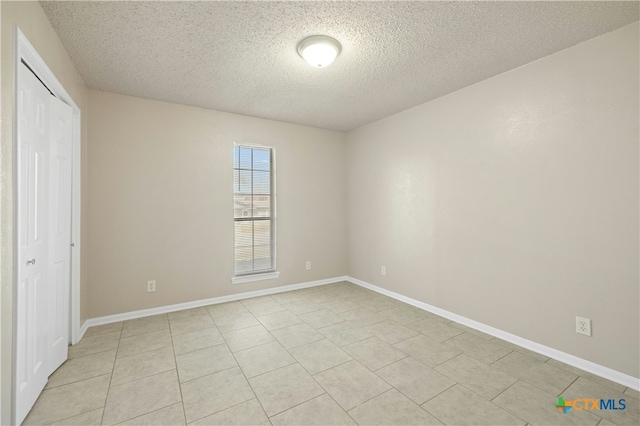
(319, 51)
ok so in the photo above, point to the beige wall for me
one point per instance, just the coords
(35, 25)
(161, 205)
(513, 202)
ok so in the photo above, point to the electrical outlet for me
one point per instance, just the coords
(383, 270)
(308, 265)
(583, 326)
(151, 286)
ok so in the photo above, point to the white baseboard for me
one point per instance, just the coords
(583, 364)
(108, 319)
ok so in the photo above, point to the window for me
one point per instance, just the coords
(254, 221)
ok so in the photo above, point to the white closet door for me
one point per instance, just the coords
(33, 246)
(59, 232)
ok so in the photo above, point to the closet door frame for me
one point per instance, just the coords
(24, 51)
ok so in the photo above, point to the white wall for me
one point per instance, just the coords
(513, 202)
(161, 202)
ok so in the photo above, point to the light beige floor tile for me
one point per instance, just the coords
(319, 319)
(584, 388)
(193, 323)
(102, 329)
(436, 330)
(289, 297)
(90, 418)
(538, 407)
(94, 344)
(185, 313)
(632, 392)
(204, 361)
(296, 335)
(246, 338)
(226, 309)
(265, 308)
(427, 351)
(145, 325)
(592, 377)
(403, 315)
(246, 413)
(392, 408)
(344, 333)
(279, 320)
(477, 376)
(319, 356)
(521, 349)
(318, 297)
(537, 373)
(213, 393)
(390, 332)
(470, 330)
(236, 322)
(257, 300)
(337, 306)
(478, 347)
(415, 380)
(194, 340)
(70, 400)
(300, 308)
(319, 411)
(263, 358)
(362, 317)
(81, 368)
(284, 388)
(373, 353)
(605, 422)
(144, 342)
(141, 365)
(142, 396)
(435, 317)
(351, 384)
(172, 415)
(380, 303)
(460, 406)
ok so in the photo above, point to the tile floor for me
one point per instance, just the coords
(333, 355)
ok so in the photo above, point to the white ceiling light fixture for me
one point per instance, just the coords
(319, 50)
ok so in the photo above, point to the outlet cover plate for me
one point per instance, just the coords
(583, 326)
(151, 286)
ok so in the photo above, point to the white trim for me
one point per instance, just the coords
(255, 277)
(83, 330)
(108, 319)
(25, 50)
(583, 364)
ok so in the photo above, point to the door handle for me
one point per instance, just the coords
(31, 262)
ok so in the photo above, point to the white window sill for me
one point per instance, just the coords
(257, 277)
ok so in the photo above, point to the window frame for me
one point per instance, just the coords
(263, 274)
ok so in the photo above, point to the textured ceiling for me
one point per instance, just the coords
(241, 56)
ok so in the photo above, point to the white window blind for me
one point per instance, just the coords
(253, 210)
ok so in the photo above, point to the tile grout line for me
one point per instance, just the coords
(115, 359)
(175, 361)
(514, 414)
(566, 388)
(248, 383)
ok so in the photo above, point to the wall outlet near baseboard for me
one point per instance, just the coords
(308, 265)
(383, 270)
(151, 286)
(583, 326)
